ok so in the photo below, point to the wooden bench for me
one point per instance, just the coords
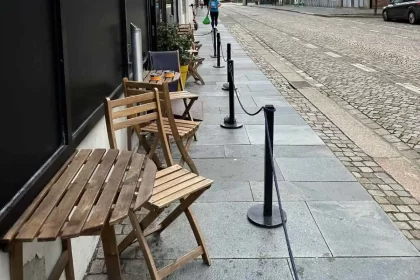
(92, 192)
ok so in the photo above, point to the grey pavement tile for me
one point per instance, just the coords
(314, 169)
(229, 234)
(223, 101)
(359, 229)
(216, 135)
(201, 151)
(259, 93)
(251, 269)
(247, 82)
(279, 119)
(233, 170)
(228, 269)
(238, 110)
(208, 88)
(314, 191)
(227, 191)
(302, 151)
(267, 87)
(278, 150)
(358, 268)
(276, 101)
(285, 135)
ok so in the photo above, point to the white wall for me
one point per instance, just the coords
(83, 247)
(188, 16)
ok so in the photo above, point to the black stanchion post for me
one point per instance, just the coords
(214, 44)
(219, 45)
(266, 215)
(229, 57)
(230, 121)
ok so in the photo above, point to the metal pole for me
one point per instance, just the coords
(268, 169)
(214, 45)
(219, 46)
(229, 57)
(137, 52)
(230, 121)
(265, 215)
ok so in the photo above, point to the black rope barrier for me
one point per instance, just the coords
(262, 215)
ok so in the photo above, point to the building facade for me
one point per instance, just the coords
(60, 59)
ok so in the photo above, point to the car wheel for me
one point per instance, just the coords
(385, 16)
(412, 18)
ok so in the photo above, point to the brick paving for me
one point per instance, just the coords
(376, 98)
(400, 206)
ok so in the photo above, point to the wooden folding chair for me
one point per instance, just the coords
(172, 184)
(180, 130)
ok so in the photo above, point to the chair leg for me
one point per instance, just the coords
(147, 148)
(198, 235)
(185, 203)
(112, 258)
(187, 148)
(143, 224)
(16, 260)
(69, 266)
(144, 247)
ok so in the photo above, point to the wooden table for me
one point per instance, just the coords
(147, 77)
(91, 193)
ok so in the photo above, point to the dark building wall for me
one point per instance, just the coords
(60, 59)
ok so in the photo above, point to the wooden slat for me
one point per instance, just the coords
(136, 120)
(170, 184)
(31, 209)
(131, 181)
(135, 91)
(146, 186)
(103, 206)
(176, 188)
(29, 231)
(167, 171)
(180, 262)
(75, 225)
(171, 177)
(132, 99)
(167, 127)
(55, 221)
(167, 200)
(134, 110)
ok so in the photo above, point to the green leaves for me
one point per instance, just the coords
(168, 39)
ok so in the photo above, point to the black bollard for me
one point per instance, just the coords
(214, 44)
(230, 121)
(229, 57)
(219, 45)
(266, 215)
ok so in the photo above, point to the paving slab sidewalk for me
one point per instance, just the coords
(337, 231)
(323, 11)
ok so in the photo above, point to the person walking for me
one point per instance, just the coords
(214, 12)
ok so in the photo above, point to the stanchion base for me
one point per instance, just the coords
(226, 86)
(221, 66)
(234, 125)
(256, 216)
(213, 56)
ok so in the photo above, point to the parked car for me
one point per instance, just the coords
(402, 10)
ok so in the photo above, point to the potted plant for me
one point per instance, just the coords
(170, 40)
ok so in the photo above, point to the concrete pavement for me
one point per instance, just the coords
(337, 230)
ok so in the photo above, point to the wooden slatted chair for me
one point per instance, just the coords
(185, 29)
(180, 130)
(172, 184)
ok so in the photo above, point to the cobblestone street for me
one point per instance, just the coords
(369, 64)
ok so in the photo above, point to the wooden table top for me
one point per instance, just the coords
(94, 187)
(147, 77)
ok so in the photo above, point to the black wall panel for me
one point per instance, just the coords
(93, 60)
(29, 103)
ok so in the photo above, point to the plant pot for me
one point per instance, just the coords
(184, 72)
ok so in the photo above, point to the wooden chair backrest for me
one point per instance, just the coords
(136, 110)
(132, 88)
